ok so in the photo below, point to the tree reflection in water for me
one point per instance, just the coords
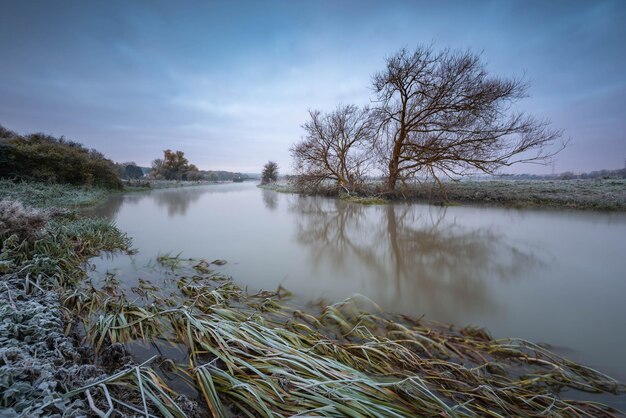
(177, 201)
(411, 254)
(270, 199)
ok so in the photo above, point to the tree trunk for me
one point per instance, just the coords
(394, 164)
(393, 176)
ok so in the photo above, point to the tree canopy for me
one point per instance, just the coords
(174, 166)
(441, 113)
(270, 173)
(337, 148)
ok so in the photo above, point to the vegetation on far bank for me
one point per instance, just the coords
(587, 194)
(437, 118)
(269, 173)
(44, 158)
(601, 194)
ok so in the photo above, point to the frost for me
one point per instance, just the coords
(37, 360)
(23, 222)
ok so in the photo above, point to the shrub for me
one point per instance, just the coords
(54, 160)
(15, 219)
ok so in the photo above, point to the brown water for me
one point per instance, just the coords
(557, 277)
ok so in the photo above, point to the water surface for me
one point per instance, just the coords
(557, 277)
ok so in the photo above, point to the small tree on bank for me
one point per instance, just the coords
(270, 173)
(336, 151)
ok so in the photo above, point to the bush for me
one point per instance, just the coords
(45, 158)
(15, 219)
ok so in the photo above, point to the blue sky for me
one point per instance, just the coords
(229, 83)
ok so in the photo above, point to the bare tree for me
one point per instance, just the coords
(336, 149)
(442, 114)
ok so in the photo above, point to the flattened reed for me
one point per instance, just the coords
(255, 355)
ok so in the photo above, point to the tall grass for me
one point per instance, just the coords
(253, 355)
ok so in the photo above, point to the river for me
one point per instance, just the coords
(550, 276)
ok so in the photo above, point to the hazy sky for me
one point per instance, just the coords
(230, 83)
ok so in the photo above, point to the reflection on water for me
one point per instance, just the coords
(414, 256)
(177, 203)
(548, 276)
(270, 199)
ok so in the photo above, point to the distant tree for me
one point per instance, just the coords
(173, 166)
(132, 171)
(157, 169)
(192, 173)
(337, 149)
(441, 114)
(270, 173)
(213, 177)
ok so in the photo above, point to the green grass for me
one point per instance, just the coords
(152, 184)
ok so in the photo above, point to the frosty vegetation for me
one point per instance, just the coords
(18, 220)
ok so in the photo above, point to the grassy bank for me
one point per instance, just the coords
(597, 194)
(42, 195)
(65, 345)
(42, 256)
(281, 187)
(141, 185)
(569, 194)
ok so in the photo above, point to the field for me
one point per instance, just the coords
(574, 194)
(605, 194)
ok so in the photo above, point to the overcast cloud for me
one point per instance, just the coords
(230, 83)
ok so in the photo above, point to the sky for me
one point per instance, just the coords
(229, 83)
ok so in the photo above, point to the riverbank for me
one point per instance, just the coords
(597, 194)
(150, 184)
(44, 247)
(256, 353)
(46, 196)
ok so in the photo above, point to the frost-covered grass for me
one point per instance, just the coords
(42, 255)
(605, 194)
(598, 194)
(23, 222)
(43, 195)
(38, 361)
(151, 184)
(281, 187)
